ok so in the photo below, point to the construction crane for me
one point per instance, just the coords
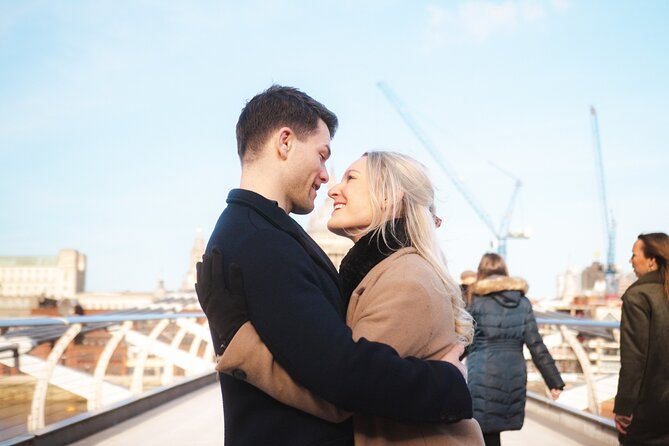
(609, 222)
(501, 234)
(506, 219)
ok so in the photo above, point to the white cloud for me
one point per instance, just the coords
(560, 5)
(482, 18)
(532, 12)
(438, 20)
(479, 19)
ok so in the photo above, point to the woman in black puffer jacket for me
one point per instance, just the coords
(495, 362)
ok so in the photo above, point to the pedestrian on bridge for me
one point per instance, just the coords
(497, 374)
(642, 403)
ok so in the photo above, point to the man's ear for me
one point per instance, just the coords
(284, 140)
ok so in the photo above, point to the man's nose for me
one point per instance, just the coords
(325, 177)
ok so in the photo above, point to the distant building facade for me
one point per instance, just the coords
(624, 282)
(195, 256)
(593, 280)
(57, 277)
(569, 284)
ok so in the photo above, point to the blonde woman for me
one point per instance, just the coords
(401, 294)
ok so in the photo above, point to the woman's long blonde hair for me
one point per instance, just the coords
(399, 187)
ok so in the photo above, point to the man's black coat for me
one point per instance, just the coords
(295, 304)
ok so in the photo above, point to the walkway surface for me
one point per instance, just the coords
(197, 419)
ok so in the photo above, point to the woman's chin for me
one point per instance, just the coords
(338, 231)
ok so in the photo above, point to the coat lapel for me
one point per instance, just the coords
(277, 217)
(318, 255)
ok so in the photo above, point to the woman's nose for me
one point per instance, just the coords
(334, 191)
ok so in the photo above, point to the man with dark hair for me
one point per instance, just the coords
(275, 107)
(293, 296)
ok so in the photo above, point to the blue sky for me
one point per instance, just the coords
(117, 118)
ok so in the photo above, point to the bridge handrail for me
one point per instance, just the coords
(69, 320)
(597, 419)
(579, 323)
(158, 339)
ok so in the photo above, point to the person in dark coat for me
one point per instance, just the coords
(466, 279)
(496, 370)
(293, 294)
(642, 402)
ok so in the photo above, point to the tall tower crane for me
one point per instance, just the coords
(506, 219)
(501, 234)
(609, 222)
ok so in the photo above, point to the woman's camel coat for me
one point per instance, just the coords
(400, 302)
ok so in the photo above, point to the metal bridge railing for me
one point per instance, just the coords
(55, 368)
(587, 353)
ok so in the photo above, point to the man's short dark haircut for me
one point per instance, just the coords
(278, 107)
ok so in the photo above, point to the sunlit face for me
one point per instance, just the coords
(640, 263)
(307, 171)
(352, 204)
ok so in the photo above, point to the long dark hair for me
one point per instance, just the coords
(491, 264)
(656, 246)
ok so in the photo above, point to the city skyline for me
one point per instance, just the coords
(117, 119)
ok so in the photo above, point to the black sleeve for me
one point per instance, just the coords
(634, 338)
(540, 354)
(310, 340)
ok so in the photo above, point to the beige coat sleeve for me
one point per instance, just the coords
(247, 352)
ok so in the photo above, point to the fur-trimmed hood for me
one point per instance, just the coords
(496, 284)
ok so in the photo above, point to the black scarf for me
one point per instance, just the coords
(367, 253)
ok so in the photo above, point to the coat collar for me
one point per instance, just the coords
(651, 277)
(381, 268)
(495, 284)
(276, 216)
(267, 208)
(368, 252)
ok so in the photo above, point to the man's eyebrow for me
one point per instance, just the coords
(327, 146)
